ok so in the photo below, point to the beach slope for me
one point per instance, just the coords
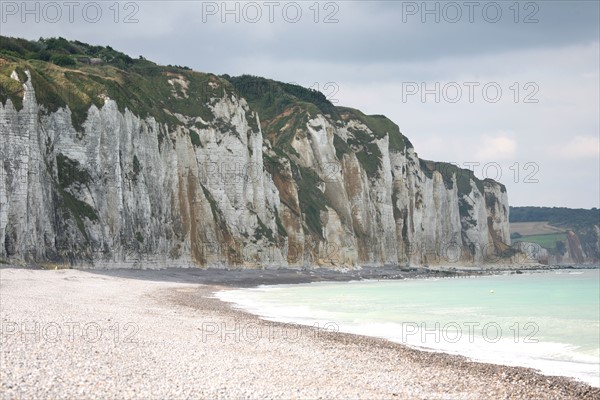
(155, 334)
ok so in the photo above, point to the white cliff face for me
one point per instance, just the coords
(129, 191)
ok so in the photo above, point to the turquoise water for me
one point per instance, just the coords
(545, 320)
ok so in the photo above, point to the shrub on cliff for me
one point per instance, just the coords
(63, 60)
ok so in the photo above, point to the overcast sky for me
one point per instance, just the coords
(486, 84)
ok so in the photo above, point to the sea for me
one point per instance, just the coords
(546, 320)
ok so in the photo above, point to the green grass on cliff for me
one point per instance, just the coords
(312, 200)
(10, 88)
(72, 176)
(136, 84)
(341, 147)
(463, 182)
(380, 126)
(271, 98)
(448, 171)
(362, 141)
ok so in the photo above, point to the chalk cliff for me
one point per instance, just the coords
(110, 166)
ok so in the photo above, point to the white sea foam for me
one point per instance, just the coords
(356, 312)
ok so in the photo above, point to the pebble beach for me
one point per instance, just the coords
(162, 334)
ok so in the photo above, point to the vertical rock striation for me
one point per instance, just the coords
(239, 184)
